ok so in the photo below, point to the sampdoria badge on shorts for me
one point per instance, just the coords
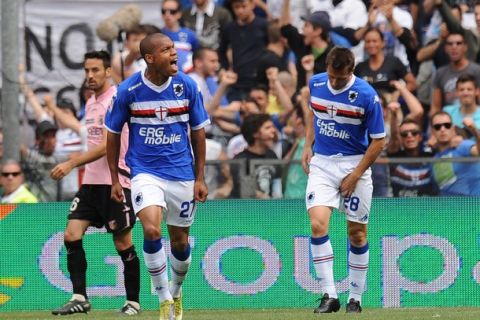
(138, 199)
(311, 197)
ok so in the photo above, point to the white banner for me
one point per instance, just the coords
(59, 33)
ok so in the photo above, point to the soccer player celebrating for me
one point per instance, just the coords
(162, 107)
(337, 156)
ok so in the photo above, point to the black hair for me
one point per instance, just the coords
(252, 124)
(101, 54)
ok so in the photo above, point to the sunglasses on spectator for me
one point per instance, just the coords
(451, 43)
(171, 11)
(13, 174)
(439, 126)
(406, 133)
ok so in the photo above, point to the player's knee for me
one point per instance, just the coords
(122, 242)
(319, 228)
(179, 246)
(70, 236)
(151, 232)
(357, 238)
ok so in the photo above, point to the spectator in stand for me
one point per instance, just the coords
(275, 54)
(466, 90)
(346, 17)
(40, 160)
(296, 178)
(217, 176)
(184, 39)
(280, 98)
(454, 25)
(409, 179)
(69, 142)
(435, 48)
(446, 76)
(396, 25)
(455, 178)
(245, 38)
(295, 9)
(393, 116)
(260, 134)
(314, 42)
(205, 70)
(379, 69)
(208, 20)
(129, 61)
(13, 182)
(206, 65)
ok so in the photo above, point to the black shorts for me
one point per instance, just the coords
(93, 203)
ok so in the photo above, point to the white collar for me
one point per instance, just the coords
(153, 86)
(208, 10)
(349, 84)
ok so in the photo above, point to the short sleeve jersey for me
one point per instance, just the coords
(97, 172)
(159, 119)
(344, 119)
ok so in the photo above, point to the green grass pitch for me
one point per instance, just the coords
(271, 314)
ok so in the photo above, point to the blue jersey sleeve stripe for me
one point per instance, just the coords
(201, 125)
(111, 130)
(378, 135)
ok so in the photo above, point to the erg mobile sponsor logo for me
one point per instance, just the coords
(157, 136)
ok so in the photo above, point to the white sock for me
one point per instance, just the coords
(157, 267)
(179, 272)
(357, 270)
(322, 257)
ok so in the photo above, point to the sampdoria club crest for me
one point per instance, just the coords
(178, 89)
(352, 95)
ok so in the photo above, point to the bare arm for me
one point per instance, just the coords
(113, 154)
(279, 90)
(285, 17)
(414, 106)
(227, 78)
(64, 168)
(65, 119)
(199, 150)
(470, 126)
(309, 138)
(393, 145)
(32, 99)
(427, 52)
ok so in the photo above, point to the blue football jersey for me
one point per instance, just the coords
(159, 119)
(344, 118)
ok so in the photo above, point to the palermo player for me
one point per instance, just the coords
(165, 111)
(345, 113)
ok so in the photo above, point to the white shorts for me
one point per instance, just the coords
(323, 187)
(175, 197)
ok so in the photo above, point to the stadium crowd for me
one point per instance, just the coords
(252, 61)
